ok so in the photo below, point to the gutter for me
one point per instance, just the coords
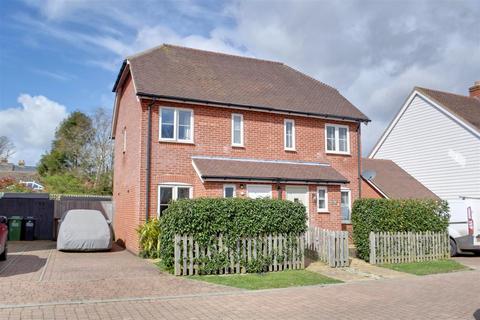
(236, 106)
(272, 179)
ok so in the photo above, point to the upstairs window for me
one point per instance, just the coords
(237, 130)
(289, 134)
(337, 139)
(176, 124)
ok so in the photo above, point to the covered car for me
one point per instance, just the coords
(84, 230)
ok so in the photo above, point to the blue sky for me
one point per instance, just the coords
(57, 56)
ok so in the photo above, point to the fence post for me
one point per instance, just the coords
(302, 251)
(177, 255)
(372, 248)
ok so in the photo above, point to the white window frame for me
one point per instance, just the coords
(349, 203)
(337, 139)
(225, 186)
(292, 148)
(124, 139)
(176, 124)
(249, 186)
(241, 144)
(326, 199)
(174, 187)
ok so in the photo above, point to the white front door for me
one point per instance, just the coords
(299, 194)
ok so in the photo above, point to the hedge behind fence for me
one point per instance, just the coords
(385, 215)
(206, 218)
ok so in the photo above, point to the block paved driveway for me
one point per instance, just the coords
(37, 282)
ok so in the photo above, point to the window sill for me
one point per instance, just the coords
(346, 221)
(238, 146)
(338, 153)
(323, 211)
(176, 141)
(290, 150)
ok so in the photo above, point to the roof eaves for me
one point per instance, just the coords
(119, 76)
(235, 105)
(375, 187)
(213, 177)
(424, 92)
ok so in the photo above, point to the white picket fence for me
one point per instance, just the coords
(188, 252)
(401, 247)
(328, 246)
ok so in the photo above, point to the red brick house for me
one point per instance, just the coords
(192, 123)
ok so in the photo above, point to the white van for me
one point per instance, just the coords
(464, 226)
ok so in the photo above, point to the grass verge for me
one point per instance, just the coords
(281, 279)
(427, 267)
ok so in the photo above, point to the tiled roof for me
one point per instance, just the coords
(220, 169)
(221, 79)
(465, 107)
(393, 181)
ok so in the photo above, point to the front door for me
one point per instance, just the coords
(299, 194)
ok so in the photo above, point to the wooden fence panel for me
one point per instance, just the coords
(286, 252)
(328, 246)
(402, 247)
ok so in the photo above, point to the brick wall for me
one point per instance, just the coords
(369, 192)
(171, 162)
(126, 177)
(263, 139)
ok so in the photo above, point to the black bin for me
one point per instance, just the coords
(29, 227)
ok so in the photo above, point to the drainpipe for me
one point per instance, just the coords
(149, 151)
(359, 155)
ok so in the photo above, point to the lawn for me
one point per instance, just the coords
(427, 267)
(281, 279)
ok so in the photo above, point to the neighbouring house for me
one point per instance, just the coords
(435, 137)
(191, 123)
(385, 179)
(21, 173)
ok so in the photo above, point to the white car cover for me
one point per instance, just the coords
(84, 230)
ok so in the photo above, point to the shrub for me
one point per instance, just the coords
(11, 185)
(149, 234)
(384, 215)
(206, 218)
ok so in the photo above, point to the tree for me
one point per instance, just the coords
(68, 152)
(101, 148)
(7, 148)
(80, 160)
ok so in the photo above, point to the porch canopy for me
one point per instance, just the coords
(235, 169)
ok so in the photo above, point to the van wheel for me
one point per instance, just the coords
(453, 248)
(3, 256)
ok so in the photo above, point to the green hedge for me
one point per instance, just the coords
(206, 218)
(385, 215)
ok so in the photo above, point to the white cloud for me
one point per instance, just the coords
(31, 126)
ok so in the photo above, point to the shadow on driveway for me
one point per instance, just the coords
(30, 246)
(21, 264)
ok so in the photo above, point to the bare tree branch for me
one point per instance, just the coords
(7, 148)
